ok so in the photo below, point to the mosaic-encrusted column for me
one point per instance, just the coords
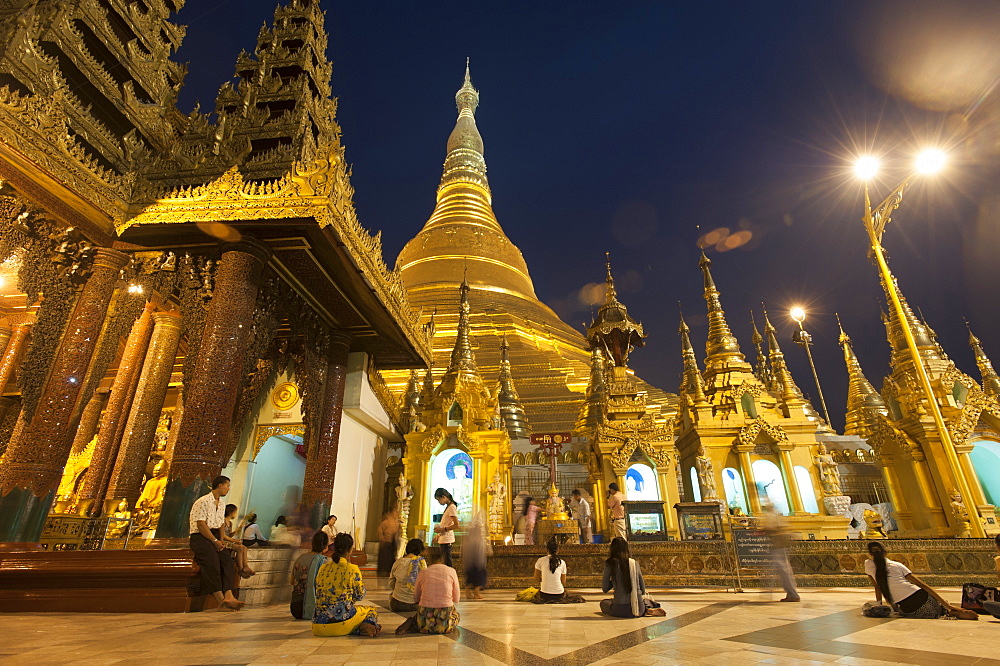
(140, 430)
(90, 419)
(211, 397)
(12, 353)
(32, 466)
(321, 467)
(109, 436)
(5, 333)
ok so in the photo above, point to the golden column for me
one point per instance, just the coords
(321, 466)
(8, 365)
(210, 398)
(875, 221)
(89, 421)
(12, 353)
(140, 429)
(5, 333)
(791, 483)
(753, 497)
(109, 435)
(32, 466)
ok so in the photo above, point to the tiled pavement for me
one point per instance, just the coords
(701, 627)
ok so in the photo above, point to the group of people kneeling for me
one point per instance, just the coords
(327, 590)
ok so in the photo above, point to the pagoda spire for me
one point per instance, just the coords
(463, 359)
(693, 384)
(990, 380)
(613, 328)
(925, 341)
(427, 394)
(790, 392)
(463, 229)
(592, 411)
(515, 422)
(764, 372)
(722, 347)
(862, 398)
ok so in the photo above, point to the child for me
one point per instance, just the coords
(233, 544)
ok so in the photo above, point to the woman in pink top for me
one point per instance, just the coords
(436, 593)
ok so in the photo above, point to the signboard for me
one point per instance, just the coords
(753, 548)
(551, 438)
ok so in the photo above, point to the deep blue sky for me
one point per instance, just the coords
(622, 126)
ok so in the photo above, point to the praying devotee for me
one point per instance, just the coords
(217, 569)
(436, 592)
(338, 587)
(303, 581)
(623, 575)
(403, 577)
(581, 514)
(252, 536)
(616, 508)
(445, 529)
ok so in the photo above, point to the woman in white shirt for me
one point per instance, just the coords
(252, 535)
(330, 527)
(550, 574)
(910, 596)
(445, 529)
(550, 578)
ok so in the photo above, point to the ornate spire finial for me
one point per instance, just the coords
(693, 383)
(463, 359)
(790, 392)
(592, 412)
(721, 346)
(613, 329)
(515, 422)
(863, 401)
(764, 371)
(925, 342)
(610, 293)
(990, 380)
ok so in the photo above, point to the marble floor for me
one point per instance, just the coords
(701, 627)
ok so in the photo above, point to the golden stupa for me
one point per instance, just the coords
(463, 240)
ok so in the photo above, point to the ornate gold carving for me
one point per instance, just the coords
(976, 403)
(748, 434)
(265, 432)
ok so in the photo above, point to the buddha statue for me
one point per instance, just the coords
(554, 506)
(147, 509)
(118, 528)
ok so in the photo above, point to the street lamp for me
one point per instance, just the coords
(875, 220)
(803, 339)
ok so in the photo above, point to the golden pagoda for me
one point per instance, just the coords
(905, 441)
(746, 439)
(461, 441)
(631, 440)
(463, 239)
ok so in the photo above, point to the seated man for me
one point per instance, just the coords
(218, 570)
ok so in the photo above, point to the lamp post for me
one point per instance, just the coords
(875, 220)
(804, 340)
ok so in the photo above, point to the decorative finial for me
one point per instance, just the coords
(610, 293)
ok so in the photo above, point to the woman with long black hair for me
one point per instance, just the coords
(338, 587)
(445, 529)
(911, 597)
(550, 574)
(622, 574)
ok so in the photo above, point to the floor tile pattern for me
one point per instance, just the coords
(703, 626)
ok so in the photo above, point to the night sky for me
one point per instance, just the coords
(622, 127)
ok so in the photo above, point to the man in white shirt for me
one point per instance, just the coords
(218, 571)
(581, 514)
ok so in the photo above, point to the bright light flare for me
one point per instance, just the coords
(135, 289)
(866, 167)
(931, 161)
(798, 314)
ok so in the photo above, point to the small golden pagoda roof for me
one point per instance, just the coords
(613, 328)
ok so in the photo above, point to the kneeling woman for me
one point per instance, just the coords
(550, 577)
(911, 596)
(338, 586)
(622, 574)
(436, 592)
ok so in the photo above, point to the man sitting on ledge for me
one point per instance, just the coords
(217, 568)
